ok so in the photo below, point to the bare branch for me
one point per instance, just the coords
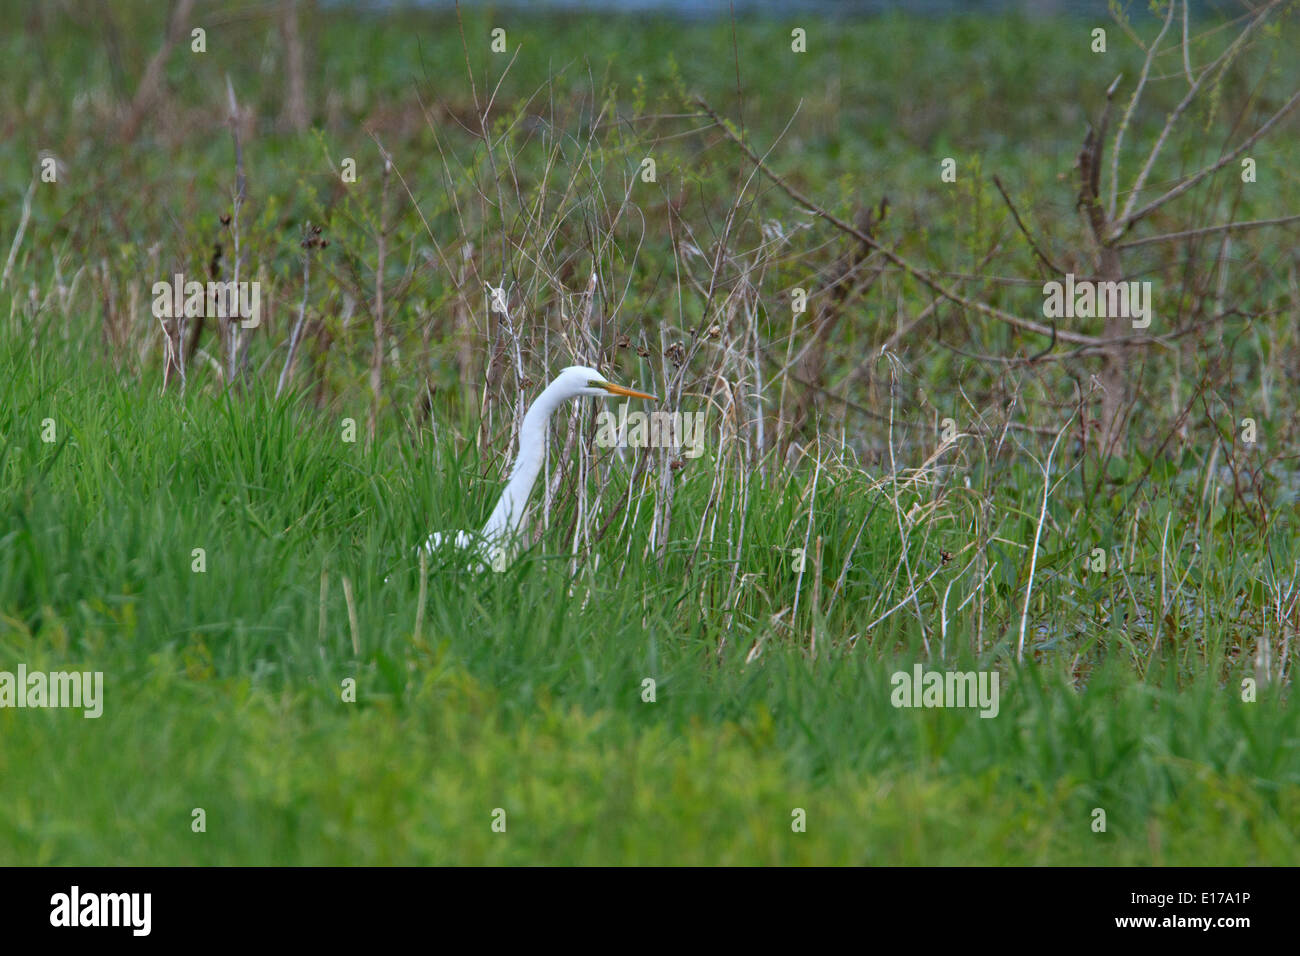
(925, 278)
(151, 83)
(1128, 113)
(1042, 257)
(1195, 178)
(1209, 230)
(1127, 217)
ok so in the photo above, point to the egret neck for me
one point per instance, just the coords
(497, 542)
(503, 525)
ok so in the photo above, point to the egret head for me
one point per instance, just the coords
(579, 380)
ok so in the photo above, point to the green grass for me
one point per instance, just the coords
(524, 690)
(243, 689)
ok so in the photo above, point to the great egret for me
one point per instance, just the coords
(494, 545)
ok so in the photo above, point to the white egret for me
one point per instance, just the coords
(495, 544)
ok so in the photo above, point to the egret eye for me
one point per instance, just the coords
(595, 383)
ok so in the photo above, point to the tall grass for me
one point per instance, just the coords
(236, 556)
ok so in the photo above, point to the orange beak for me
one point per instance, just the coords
(620, 390)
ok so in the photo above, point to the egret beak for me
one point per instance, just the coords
(620, 390)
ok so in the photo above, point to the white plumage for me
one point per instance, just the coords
(495, 544)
